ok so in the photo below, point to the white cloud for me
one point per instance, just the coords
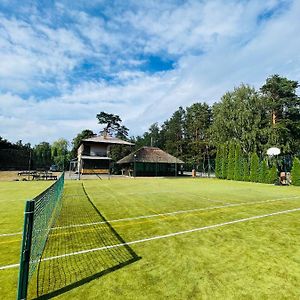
(236, 48)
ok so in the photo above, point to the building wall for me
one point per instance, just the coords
(98, 150)
(92, 149)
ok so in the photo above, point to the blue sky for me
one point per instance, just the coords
(62, 62)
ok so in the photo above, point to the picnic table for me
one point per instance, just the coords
(22, 173)
(44, 176)
(39, 175)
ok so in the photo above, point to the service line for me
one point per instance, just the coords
(157, 237)
(162, 214)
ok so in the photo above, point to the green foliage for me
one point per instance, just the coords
(173, 131)
(296, 172)
(84, 134)
(231, 162)
(14, 155)
(238, 163)
(59, 153)
(196, 131)
(240, 116)
(283, 108)
(153, 137)
(243, 115)
(112, 124)
(263, 172)
(224, 161)
(245, 170)
(42, 155)
(273, 175)
(218, 162)
(254, 167)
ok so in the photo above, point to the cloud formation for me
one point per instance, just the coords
(60, 65)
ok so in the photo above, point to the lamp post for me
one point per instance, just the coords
(134, 165)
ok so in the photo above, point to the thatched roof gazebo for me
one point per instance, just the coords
(150, 161)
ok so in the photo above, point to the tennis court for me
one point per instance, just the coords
(159, 238)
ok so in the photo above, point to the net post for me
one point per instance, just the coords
(25, 251)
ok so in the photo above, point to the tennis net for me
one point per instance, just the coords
(40, 214)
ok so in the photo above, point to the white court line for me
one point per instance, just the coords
(10, 234)
(162, 214)
(172, 213)
(9, 266)
(157, 237)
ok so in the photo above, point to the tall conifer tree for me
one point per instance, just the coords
(238, 165)
(230, 166)
(218, 165)
(254, 167)
(224, 160)
(296, 172)
(246, 172)
(273, 175)
(263, 172)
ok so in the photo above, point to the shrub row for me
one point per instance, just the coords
(232, 164)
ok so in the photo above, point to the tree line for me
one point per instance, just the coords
(21, 156)
(256, 119)
(253, 119)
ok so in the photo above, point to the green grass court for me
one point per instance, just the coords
(252, 258)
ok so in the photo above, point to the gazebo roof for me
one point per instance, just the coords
(107, 140)
(150, 155)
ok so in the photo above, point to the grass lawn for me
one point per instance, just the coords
(250, 259)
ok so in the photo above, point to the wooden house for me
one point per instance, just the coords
(93, 154)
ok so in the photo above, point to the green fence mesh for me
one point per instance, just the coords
(46, 209)
(43, 212)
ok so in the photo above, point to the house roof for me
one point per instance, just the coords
(150, 155)
(107, 140)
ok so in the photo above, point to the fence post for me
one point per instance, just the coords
(25, 251)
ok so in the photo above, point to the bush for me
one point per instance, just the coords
(296, 172)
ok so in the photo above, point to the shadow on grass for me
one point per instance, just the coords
(79, 243)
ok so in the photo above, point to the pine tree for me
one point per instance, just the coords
(254, 167)
(296, 172)
(263, 172)
(273, 175)
(230, 166)
(238, 164)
